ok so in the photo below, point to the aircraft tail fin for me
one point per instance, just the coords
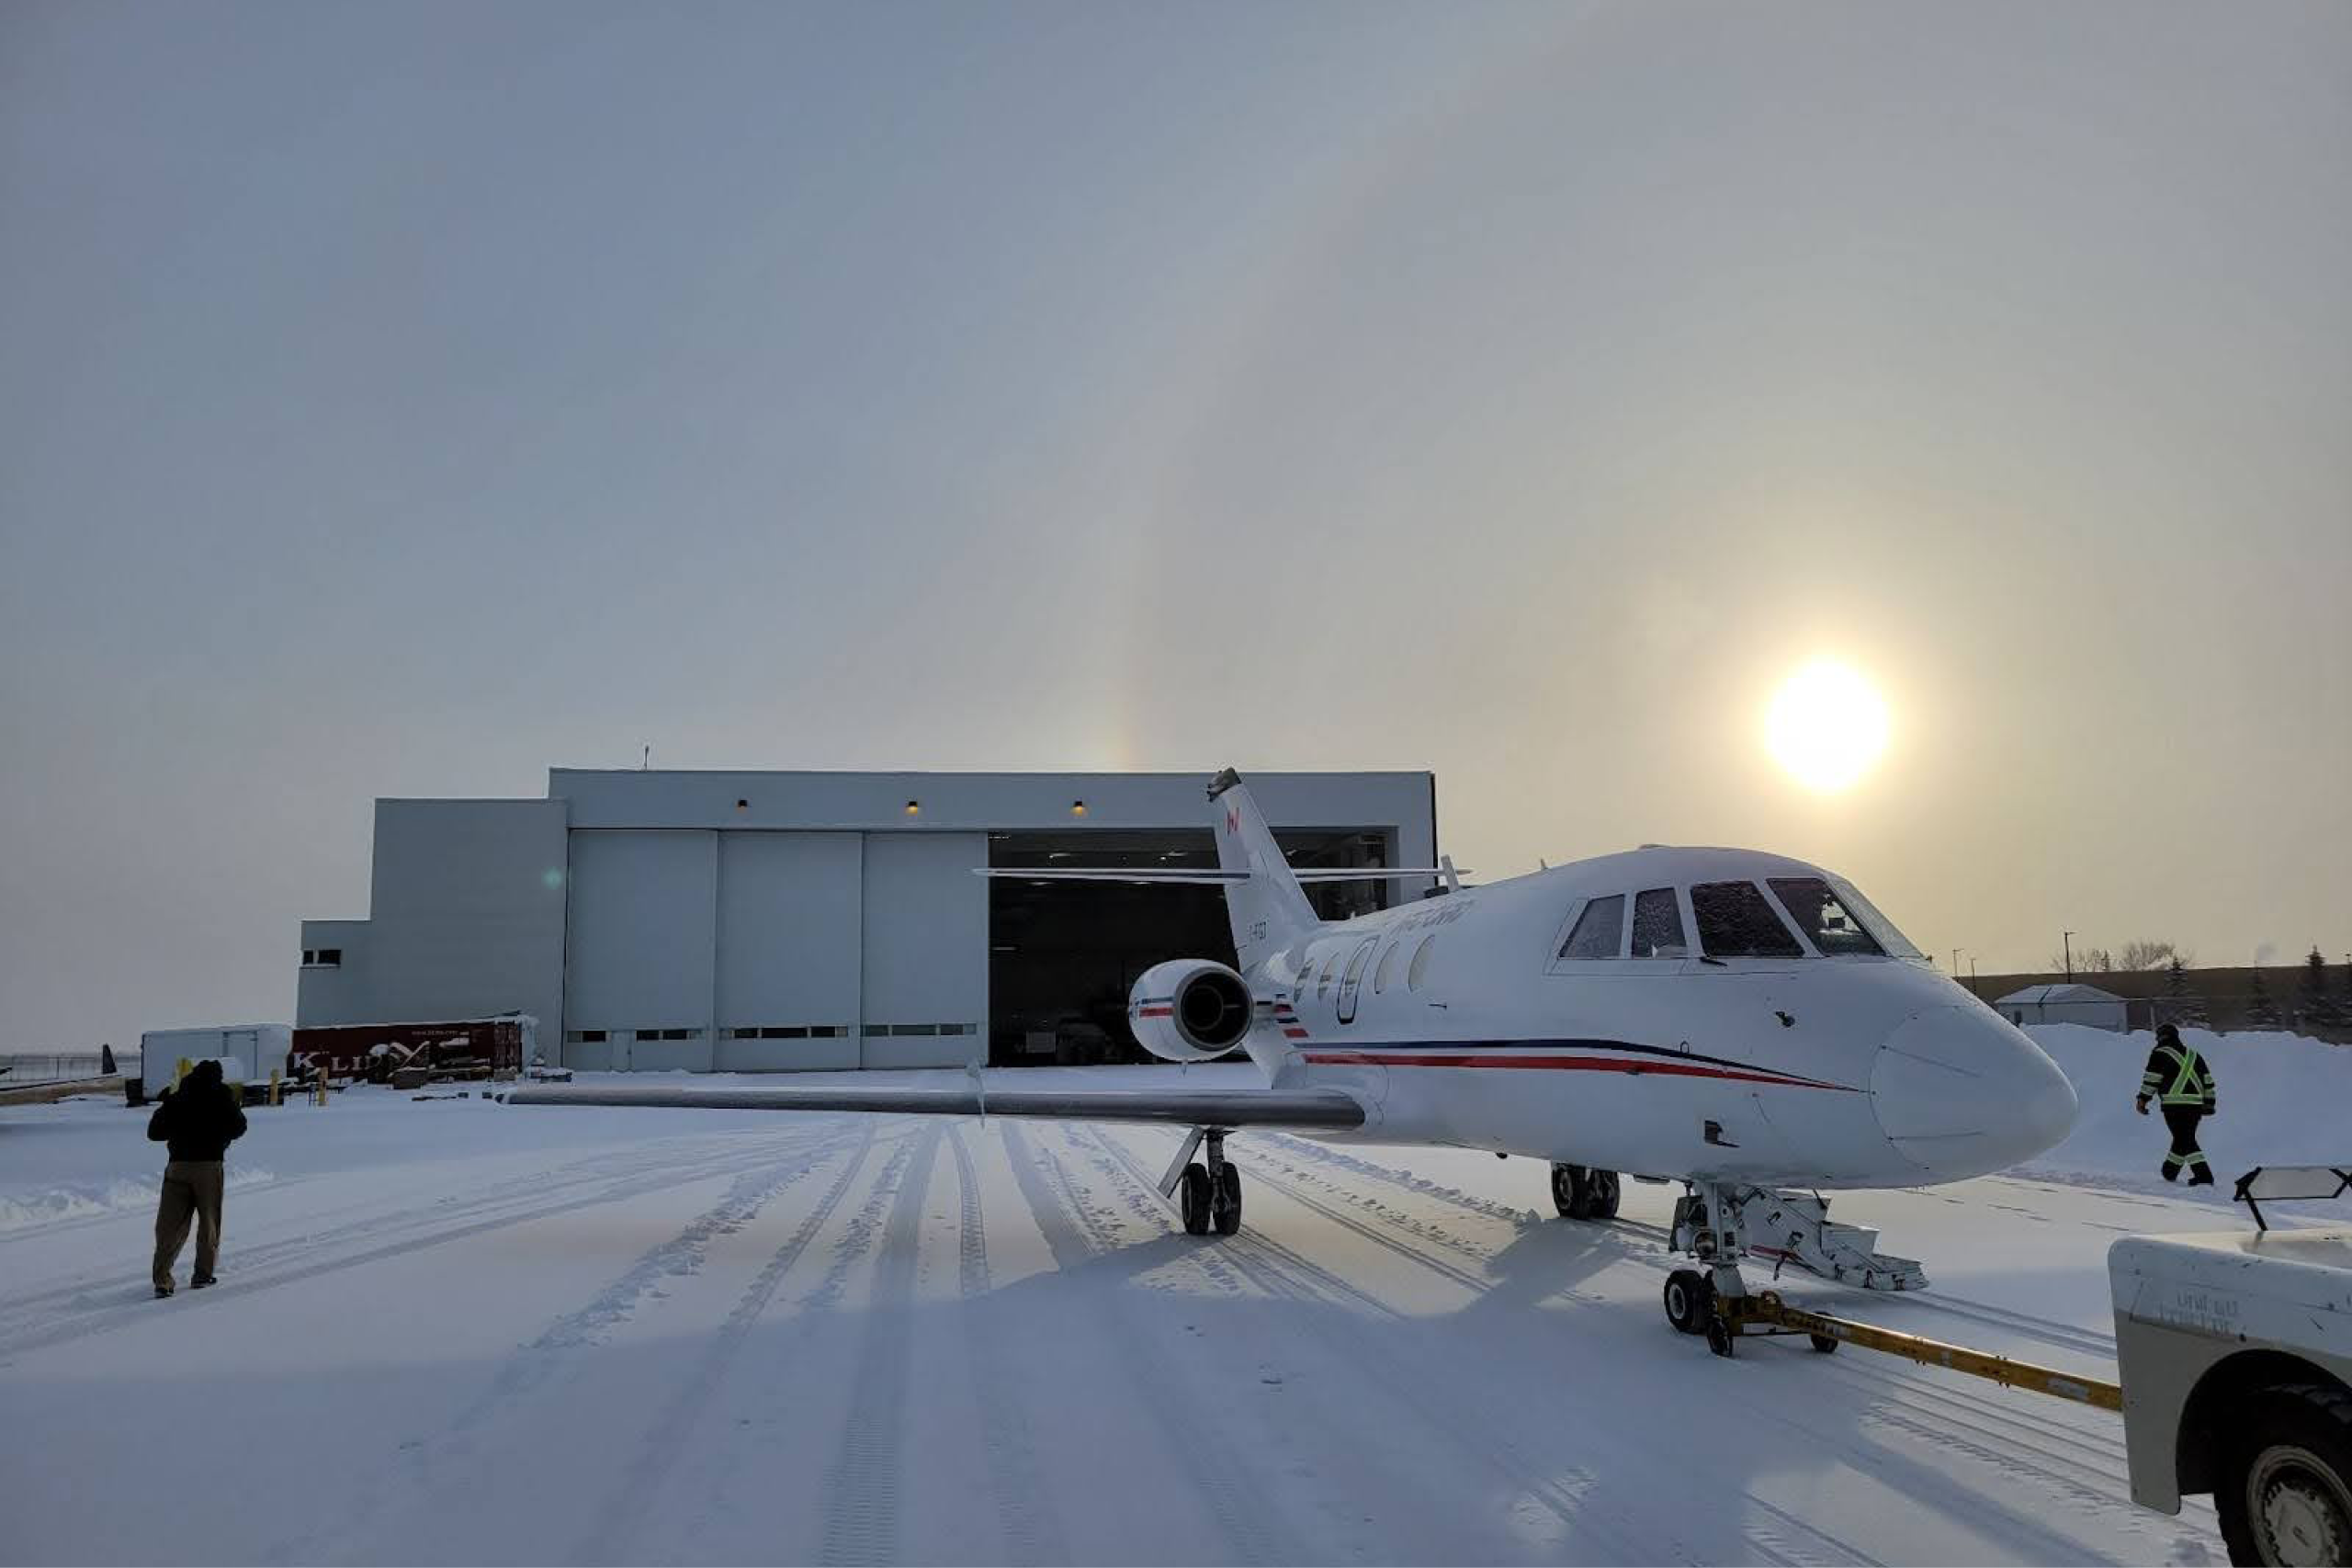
(1268, 909)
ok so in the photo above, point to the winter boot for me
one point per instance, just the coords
(162, 1292)
(2169, 1171)
(2203, 1176)
(203, 1280)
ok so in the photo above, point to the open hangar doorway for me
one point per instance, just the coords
(1064, 956)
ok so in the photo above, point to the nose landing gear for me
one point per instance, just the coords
(1581, 1192)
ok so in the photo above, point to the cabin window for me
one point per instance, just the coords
(1736, 922)
(1388, 970)
(1658, 925)
(1323, 985)
(1598, 930)
(1823, 916)
(1419, 970)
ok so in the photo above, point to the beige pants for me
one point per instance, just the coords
(191, 1190)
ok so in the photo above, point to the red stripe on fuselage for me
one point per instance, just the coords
(1562, 1064)
(1154, 1012)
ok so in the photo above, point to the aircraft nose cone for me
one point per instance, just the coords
(1960, 1093)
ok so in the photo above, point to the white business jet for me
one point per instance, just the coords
(1747, 1024)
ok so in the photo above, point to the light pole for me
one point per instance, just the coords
(2069, 939)
(1955, 961)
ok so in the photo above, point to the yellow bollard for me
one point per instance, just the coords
(323, 1085)
(179, 1072)
(273, 1090)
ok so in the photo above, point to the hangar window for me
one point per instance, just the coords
(877, 1030)
(1598, 931)
(914, 1029)
(321, 958)
(750, 1034)
(1323, 981)
(584, 1036)
(1824, 918)
(1735, 921)
(1420, 970)
(1658, 925)
(1388, 970)
(826, 1030)
(784, 1031)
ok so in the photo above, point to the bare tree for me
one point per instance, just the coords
(2142, 954)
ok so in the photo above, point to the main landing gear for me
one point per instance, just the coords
(1580, 1192)
(1714, 1223)
(1209, 1194)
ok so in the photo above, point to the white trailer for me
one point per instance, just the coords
(247, 1053)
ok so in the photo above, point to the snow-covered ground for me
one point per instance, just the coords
(450, 1331)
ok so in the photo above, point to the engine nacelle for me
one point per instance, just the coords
(1190, 1009)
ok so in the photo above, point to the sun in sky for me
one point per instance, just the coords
(1828, 725)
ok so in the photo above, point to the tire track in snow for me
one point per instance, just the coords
(444, 1464)
(372, 1212)
(2065, 1336)
(665, 1440)
(1076, 1234)
(1033, 1533)
(429, 1228)
(1782, 1538)
(864, 1488)
(1570, 1496)
(1970, 1424)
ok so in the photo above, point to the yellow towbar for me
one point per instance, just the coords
(1766, 1313)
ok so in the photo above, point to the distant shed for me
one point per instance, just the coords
(2075, 1003)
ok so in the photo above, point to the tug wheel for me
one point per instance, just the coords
(1826, 1343)
(2284, 1491)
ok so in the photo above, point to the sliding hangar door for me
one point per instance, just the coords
(758, 951)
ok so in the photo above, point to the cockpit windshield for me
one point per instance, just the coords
(1823, 918)
(1896, 944)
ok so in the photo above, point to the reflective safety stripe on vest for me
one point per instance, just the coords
(2191, 1084)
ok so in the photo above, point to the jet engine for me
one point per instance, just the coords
(1189, 1009)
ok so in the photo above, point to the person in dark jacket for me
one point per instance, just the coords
(199, 1121)
(2179, 1079)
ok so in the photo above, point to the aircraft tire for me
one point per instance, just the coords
(1193, 1200)
(1602, 1192)
(1718, 1334)
(1225, 1210)
(1567, 1190)
(1689, 1301)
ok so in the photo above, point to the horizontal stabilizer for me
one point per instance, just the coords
(1319, 1110)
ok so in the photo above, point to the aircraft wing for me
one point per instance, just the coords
(1306, 1110)
(1225, 878)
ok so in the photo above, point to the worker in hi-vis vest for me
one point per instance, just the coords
(2179, 1079)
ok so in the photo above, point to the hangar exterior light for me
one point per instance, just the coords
(914, 808)
(1078, 809)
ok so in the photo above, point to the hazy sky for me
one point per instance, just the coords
(402, 398)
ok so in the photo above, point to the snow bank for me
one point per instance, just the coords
(2284, 1099)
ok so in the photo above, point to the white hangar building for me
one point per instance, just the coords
(771, 922)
